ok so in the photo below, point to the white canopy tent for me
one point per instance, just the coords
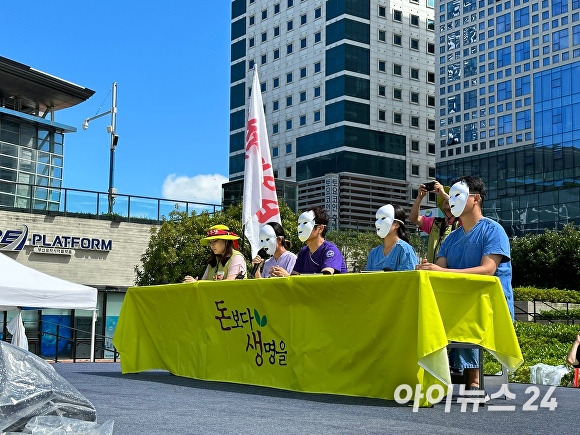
(22, 286)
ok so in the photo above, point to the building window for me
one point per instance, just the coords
(415, 145)
(397, 16)
(303, 19)
(382, 66)
(397, 94)
(289, 77)
(288, 124)
(302, 120)
(397, 69)
(290, 3)
(264, 36)
(415, 121)
(289, 101)
(431, 100)
(289, 25)
(275, 105)
(289, 48)
(251, 20)
(430, 48)
(288, 171)
(263, 59)
(430, 77)
(275, 128)
(276, 8)
(316, 91)
(414, 44)
(317, 13)
(263, 87)
(415, 170)
(414, 73)
(317, 37)
(431, 173)
(302, 43)
(430, 148)
(302, 96)
(382, 36)
(276, 31)
(430, 24)
(251, 42)
(431, 124)
(264, 14)
(382, 91)
(288, 148)
(317, 116)
(414, 97)
(277, 54)
(316, 67)
(303, 72)
(397, 39)
(397, 118)
(382, 115)
(274, 152)
(414, 20)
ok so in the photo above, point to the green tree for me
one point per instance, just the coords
(547, 260)
(174, 249)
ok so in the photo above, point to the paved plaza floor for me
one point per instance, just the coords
(157, 402)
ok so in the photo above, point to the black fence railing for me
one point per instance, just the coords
(29, 198)
(75, 337)
(557, 314)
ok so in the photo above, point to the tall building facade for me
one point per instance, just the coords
(349, 96)
(31, 141)
(508, 93)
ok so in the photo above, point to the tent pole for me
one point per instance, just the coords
(93, 336)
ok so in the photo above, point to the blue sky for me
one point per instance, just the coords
(171, 64)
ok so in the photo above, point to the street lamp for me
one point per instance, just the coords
(112, 130)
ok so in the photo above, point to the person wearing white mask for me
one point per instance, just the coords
(480, 246)
(273, 242)
(395, 253)
(319, 255)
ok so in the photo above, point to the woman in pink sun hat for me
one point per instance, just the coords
(225, 261)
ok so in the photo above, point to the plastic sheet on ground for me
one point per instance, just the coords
(545, 374)
(52, 425)
(30, 387)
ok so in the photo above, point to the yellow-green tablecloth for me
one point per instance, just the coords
(352, 334)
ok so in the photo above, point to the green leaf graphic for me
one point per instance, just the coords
(257, 316)
(264, 321)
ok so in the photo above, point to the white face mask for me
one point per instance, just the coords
(458, 195)
(385, 218)
(268, 239)
(305, 225)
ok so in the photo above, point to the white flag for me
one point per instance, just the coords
(260, 201)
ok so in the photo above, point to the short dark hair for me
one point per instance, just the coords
(320, 218)
(475, 185)
(401, 216)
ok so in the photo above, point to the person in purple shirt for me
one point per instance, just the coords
(319, 255)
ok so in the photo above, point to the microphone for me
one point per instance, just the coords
(263, 254)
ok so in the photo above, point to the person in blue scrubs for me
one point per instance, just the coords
(395, 253)
(480, 246)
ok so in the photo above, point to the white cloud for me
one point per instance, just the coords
(200, 188)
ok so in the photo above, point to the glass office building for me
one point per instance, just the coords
(349, 95)
(31, 142)
(508, 94)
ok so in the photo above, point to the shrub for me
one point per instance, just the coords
(540, 259)
(540, 343)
